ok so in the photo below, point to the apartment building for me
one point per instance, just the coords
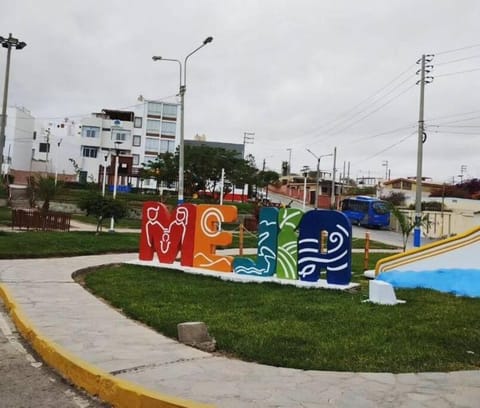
(155, 131)
(85, 149)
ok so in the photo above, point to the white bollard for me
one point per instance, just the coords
(382, 293)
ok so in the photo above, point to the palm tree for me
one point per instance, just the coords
(406, 224)
(43, 188)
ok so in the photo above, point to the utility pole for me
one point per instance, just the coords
(247, 138)
(385, 163)
(289, 161)
(422, 137)
(332, 201)
(463, 170)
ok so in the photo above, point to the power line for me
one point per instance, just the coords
(457, 60)
(372, 112)
(376, 93)
(455, 126)
(368, 106)
(457, 121)
(384, 133)
(330, 125)
(457, 72)
(457, 49)
(390, 147)
(453, 115)
(456, 133)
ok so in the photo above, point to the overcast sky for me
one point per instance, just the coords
(300, 74)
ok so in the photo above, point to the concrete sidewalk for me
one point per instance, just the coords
(66, 314)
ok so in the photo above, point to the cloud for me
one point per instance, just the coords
(285, 70)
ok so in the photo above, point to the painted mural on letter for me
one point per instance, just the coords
(290, 244)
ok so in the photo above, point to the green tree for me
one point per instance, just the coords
(163, 168)
(203, 167)
(264, 178)
(102, 207)
(244, 173)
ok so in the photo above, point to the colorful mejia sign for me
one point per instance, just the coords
(291, 244)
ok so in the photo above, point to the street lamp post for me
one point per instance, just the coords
(104, 179)
(115, 181)
(182, 90)
(305, 170)
(317, 187)
(56, 160)
(7, 43)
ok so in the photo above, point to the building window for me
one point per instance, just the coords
(88, 151)
(153, 126)
(138, 122)
(170, 111)
(149, 158)
(154, 108)
(167, 146)
(135, 159)
(168, 128)
(151, 144)
(137, 140)
(90, 131)
(44, 147)
(120, 135)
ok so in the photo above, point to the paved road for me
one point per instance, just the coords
(27, 383)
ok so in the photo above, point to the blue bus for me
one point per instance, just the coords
(367, 211)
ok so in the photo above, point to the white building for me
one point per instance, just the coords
(53, 144)
(78, 150)
(19, 133)
(155, 132)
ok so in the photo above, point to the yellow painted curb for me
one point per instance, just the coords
(118, 392)
(5, 296)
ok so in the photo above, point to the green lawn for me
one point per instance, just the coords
(302, 328)
(39, 244)
(5, 216)
(360, 243)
